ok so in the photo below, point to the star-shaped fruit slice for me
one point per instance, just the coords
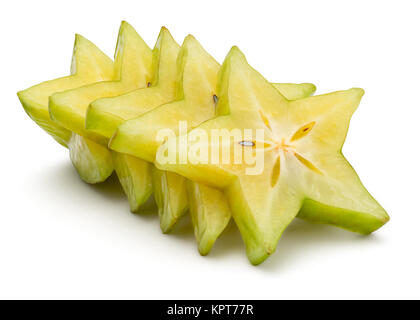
(132, 70)
(89, 64)
(195, 103)
(298, 169)
(105, 114)
(208, 206)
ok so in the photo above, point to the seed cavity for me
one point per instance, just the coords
(307, 163)
(265, 119)
(246, 143)
(215, 99)
(275, 174)
(303, 131)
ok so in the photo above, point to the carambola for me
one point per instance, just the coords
(110, 115)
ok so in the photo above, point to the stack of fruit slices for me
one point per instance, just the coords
(111, 115)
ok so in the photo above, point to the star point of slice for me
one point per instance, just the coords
(89, 64)
(303, 173)
(105, 114)
(131, 70)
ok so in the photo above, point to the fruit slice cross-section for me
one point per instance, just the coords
(89, 64)
(301, 167)
(208, 206)
(104, 115)
(132, 70)
(196, 103)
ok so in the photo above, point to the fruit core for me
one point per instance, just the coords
(286, 145)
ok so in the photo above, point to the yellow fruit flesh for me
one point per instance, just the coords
(89, 65)
(104, 115)
(131, 70)
(303, 170)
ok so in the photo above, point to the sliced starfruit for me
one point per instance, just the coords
(135, 176)
(170, 192)
(303, 170)
(89, 64)
(132, 70)
(208, 206)
(195, 103)
(197, 77)
(196, 70)
(104, 115)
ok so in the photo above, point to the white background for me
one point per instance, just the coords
(61, 238)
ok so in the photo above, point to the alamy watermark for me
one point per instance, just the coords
(216, 147)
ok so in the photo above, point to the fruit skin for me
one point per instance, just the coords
(131, 70)
(88, 65)
(104, 115)
(317, 212)
(137, 136)
(210, 214)
(309, 165)
(92, 160)
(135, 177)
